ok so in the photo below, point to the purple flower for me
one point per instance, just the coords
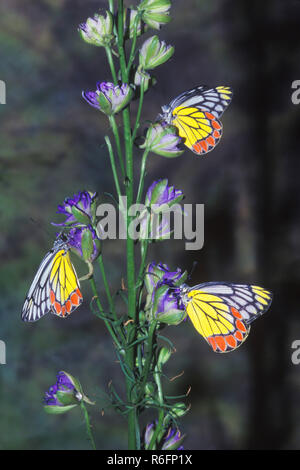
(160, 273)
(63, 387)
(85, 242)
(79, 209)
(160, 193)
(169, 299)
(162, 139)
(109, 98)
(171, 439)
(164, 297)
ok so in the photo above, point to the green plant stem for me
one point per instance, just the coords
(88, 425)
(113, 165)
(131, 331)
(111, 64)
(118, 143)
(139, 111)
(161, 413)
(146, 368)
(133, 46)
(101, 310)
(142, 176)
(111, 5)
(108, 293)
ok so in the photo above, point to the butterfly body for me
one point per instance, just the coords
(55, 287)
(222, 312)
(196, 115)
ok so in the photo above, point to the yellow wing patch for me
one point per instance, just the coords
(65, 295)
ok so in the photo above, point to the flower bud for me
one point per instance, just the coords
(173, 440)
(155, 13)
(132, 18)
(97, 30)
(64, 395)
(163, 140)
(85, 242)
(163, 355)
(167, 439)
(179, 409)
(144, 77)
(161, 195)
(154, 53)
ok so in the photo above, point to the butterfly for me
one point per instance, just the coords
(55, 287)
(196, 115)
(222, 312)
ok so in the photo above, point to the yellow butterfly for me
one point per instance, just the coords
(222, 312)
(55, 287)
(196, 113)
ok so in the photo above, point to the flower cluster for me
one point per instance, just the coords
(170, 440)
(80, 212)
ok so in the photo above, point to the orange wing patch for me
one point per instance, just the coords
(229, 342)
(62, 310)
(207, 144)
(65, 295)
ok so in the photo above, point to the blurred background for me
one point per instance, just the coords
(52, 146)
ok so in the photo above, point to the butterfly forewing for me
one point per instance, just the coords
(37, 302)
(222, 312)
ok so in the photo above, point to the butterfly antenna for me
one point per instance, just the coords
(40, 226)
(192, 270)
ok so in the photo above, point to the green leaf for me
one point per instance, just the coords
(80, 216)
(87, 244)
(66, 398)
(58, 410)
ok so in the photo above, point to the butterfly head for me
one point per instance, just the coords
(166, 114)
(61, 242)
(182, 292)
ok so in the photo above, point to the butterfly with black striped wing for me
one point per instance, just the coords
(55, 287)
(196, 115)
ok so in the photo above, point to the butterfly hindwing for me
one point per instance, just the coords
(55, 286)
(200, 130)
(65, 295)
(196, 113)
(222, 312)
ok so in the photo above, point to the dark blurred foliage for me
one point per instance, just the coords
(52, 146)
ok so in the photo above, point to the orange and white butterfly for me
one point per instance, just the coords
(196, 115)
(55, 288)
(222, 312)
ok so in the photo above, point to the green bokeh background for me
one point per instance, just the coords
(52, 146)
